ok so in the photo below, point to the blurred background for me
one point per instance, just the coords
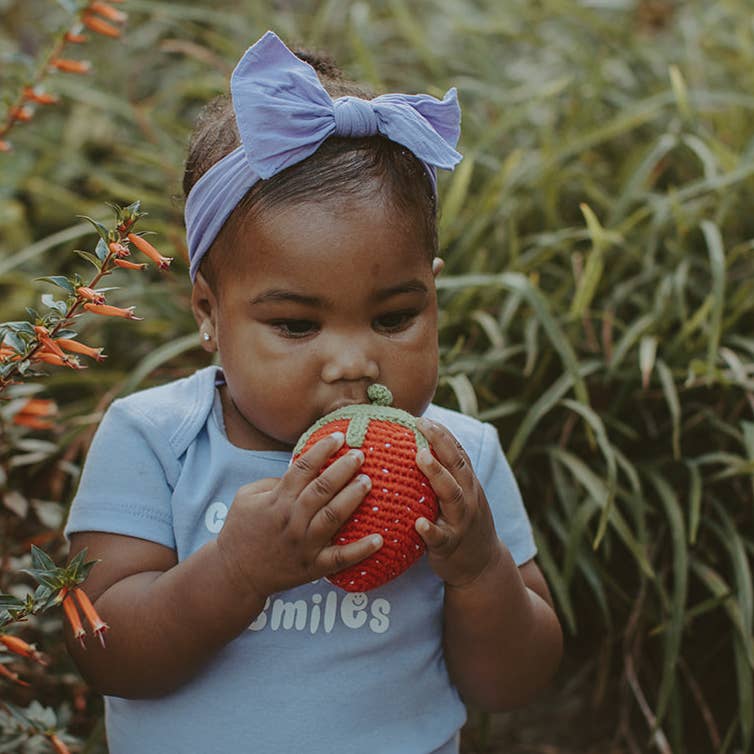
(597, 307)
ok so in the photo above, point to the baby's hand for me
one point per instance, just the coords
(462, 543)
(278, 531)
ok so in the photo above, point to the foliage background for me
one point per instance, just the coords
(597, 305)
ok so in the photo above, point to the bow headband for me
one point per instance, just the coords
(284, 114)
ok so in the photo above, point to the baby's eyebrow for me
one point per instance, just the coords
(280, 294)
(276, 295)
(409, 286)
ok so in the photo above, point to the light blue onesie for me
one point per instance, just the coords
(319, 670)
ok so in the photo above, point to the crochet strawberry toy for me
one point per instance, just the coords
(400, 492)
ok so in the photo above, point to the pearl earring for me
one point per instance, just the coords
(206, 337)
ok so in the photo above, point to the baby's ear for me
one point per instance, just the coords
(203, 302)
(437, 266)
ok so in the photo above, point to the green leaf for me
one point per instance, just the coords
(674, 405)
(717, 268)
(9, 601)
(60, 281)
(554, 577)
(102, 250)
(99, 227)
(600, 494)
(747, 429)
(695, 500)
(91, 258)
(606, 447)
(464, 392)
(51, 303)
(647, 355)
(542, 406)
(41, 560)
(676, 619)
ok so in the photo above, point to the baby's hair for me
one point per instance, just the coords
(340, 168)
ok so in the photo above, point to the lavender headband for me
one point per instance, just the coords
(284, 114)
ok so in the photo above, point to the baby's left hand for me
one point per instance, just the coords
(462, 543)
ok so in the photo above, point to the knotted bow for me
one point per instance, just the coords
(284, 114)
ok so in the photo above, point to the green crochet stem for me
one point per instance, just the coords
(360, 415)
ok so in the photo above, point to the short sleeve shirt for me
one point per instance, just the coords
(320, 669)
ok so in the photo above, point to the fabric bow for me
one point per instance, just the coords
(284, 114)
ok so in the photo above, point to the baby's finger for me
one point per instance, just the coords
(450, 494)
(329, 518)
(437, 538)
(308, 465)
(448, 450)
(323, 488)
(337, 557)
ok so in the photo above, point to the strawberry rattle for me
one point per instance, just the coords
(400, 492)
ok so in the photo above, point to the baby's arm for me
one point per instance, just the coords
(502, 638)
(168, 618)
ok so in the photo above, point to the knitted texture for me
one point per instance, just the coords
(400, 492)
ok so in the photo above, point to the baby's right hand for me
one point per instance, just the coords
(278, 532)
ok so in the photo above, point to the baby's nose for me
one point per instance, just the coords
(350, 359)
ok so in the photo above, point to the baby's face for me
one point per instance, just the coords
(323, 300)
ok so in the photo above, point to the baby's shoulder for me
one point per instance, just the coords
(176, 410)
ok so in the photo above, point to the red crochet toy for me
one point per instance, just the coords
(400, 492)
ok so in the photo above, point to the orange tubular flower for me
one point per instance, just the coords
(9, 354)
(95, 23)
(146, 248)
(36, 413)
(74, 38)
(107, 11)
(21, 114)
(5, 146)
(126, 265)
(71, 66)
(48, 344)
(41, 98)
(90, 295)
(72, 615)
(75, 347)
(98, 625)
(4, 672)
(20, 647)
(118, 249)
(57, 744)
(111, 311)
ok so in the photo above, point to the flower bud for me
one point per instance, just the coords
(100, 26)
(107, 11)
(146, 248)
(90, 295)
(111, 311)
(41, 98)
(71, 66)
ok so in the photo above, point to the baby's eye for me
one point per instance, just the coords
(295, 328)
(395, 321)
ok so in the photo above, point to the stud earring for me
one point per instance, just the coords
(206, 337)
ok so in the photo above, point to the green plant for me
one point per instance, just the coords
(596, 304)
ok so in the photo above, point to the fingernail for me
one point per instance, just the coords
(424, 457)
(377, 540)
(422, 525)
(357, 455)
(421, 422)
(365, 480)
(339, 438)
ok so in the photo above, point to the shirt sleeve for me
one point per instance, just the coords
(125, 484)
(500, 487)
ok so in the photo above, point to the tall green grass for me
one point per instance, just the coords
(598, 304)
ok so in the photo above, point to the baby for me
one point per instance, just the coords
(311, 226)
